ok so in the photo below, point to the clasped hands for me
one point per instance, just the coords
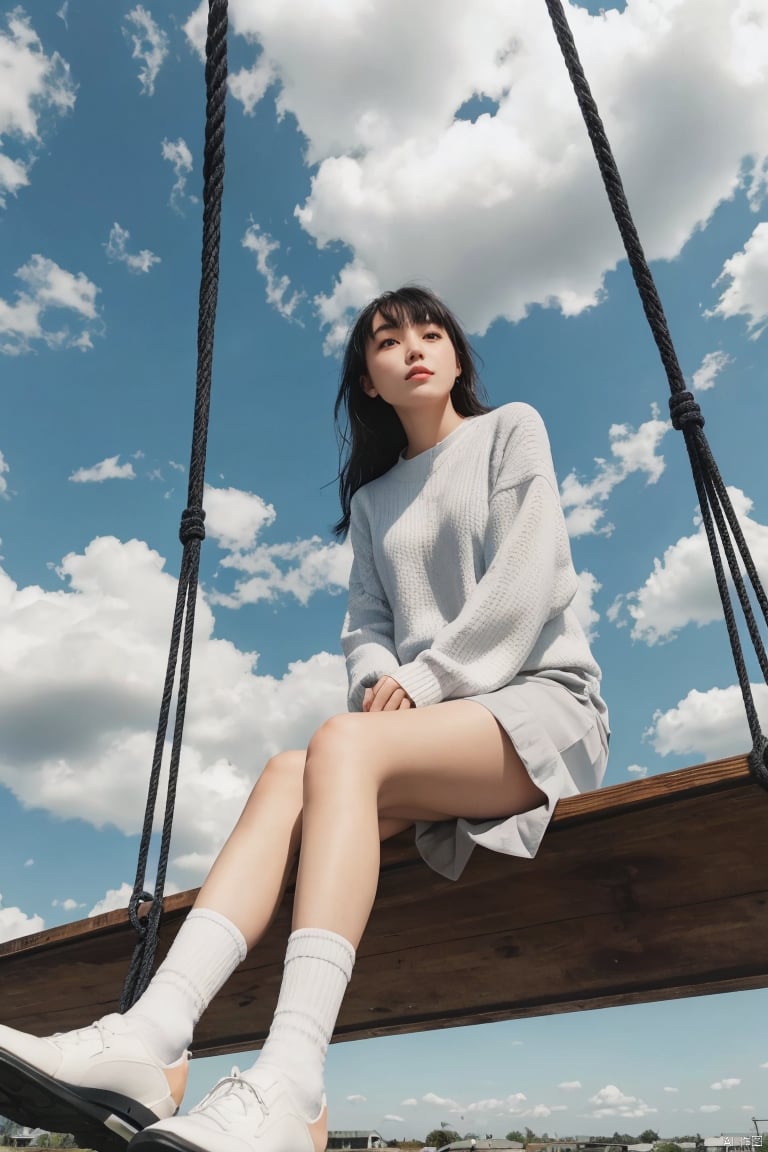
(386, 695)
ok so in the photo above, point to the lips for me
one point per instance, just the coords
(418, 371)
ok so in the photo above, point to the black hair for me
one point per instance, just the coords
(371, 434)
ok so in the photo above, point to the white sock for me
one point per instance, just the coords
(207, 949)
(318, 967)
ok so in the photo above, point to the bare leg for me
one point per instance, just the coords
(248, 878)
(451, 759)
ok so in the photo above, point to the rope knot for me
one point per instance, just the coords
(684, 410)
(758, 761)
(192, 525)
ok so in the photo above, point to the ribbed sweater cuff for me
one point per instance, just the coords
(420, 682)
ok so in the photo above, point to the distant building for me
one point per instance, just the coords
(355, 1139)
(483, 1146)
(25, 1137)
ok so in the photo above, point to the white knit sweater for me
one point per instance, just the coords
(462, 576)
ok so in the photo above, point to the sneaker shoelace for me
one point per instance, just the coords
(232, 1098)
(81, 1035)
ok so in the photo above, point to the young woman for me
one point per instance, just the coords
(474, 706)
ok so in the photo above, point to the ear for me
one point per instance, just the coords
(367, 387)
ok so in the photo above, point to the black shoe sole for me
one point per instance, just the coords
(105, 1121)
(151, 1140)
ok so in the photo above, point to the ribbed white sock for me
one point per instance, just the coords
(318, 967)
(207, 949)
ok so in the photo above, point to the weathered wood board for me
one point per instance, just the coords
(643, 891)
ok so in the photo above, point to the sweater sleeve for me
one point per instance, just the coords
(528, 580)
(367, 637)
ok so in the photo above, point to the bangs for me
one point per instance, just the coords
(408, 306)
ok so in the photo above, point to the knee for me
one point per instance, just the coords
(338, 747)
(283, 771)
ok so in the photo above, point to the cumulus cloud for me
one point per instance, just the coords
(81, 670)
(113, 899)
(391, 1116)
(570, 1085)
(638, 771)
(150, 46)
(746, 293)
(3, 482)
(709, 1108)
(710, 368)
(279, 293)
(724, 1085)
(116, 249)
(48, 288)
(178, 154)
(441, 1101)
(611, 1101)
(708, 724)
(15, 923)
(411, 1102)
(34, 85)
(681, 589)
(67, 905)
(249, 84)
(668, 1089)
(396, 170)
(108, 469)
(632, 451)
(356, 1098)
(235, 518)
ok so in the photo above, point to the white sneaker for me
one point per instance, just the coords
(101, 1083)
(239, 1115)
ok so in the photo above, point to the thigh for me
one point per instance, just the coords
(446, 760)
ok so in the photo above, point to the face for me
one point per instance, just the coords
(409, 365)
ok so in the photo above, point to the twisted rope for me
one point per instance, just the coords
(716, 508)
(192, 528)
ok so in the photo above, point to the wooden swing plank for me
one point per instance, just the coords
(642, 891)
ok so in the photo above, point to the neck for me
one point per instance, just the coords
(425, 429)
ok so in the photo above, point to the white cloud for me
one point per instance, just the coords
(356, 1098)
(510, 1103)
(249, 84)
(150, 46)
(113, 899)
(108, 469)
(708, 724)
(179, 155)
(87, 662)
(747, 293)
(724, 1085)
(391, 1116)
(48, 287)
(34, 84)
(235, 518)
(570, 1085)
(67, 905)
(632, 451)
(681, 589)
(115, 248)
(441, 1101)
(3, 482)
(396, 172)
(611, 1101)
(638, 771)
(709, 1108)
(279, 293)
(668, 1089)
(710, 368)
(28, 863)
(765, 1065)
(588, 617)
(15, 923)
(62, 13)
(411, 1102)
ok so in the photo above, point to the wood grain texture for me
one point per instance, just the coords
(643, 891)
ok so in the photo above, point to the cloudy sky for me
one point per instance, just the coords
(369, 144)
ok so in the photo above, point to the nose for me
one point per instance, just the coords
(413, 348)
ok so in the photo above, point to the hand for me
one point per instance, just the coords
(386, 696)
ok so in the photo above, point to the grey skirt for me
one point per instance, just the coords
(558, 724)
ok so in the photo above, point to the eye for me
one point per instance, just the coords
(387, 341)
(431, 335)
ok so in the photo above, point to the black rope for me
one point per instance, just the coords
(192, 529)
(716, 508)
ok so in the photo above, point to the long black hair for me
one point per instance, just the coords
(369, 431)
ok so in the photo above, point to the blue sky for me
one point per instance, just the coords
(367, 145)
